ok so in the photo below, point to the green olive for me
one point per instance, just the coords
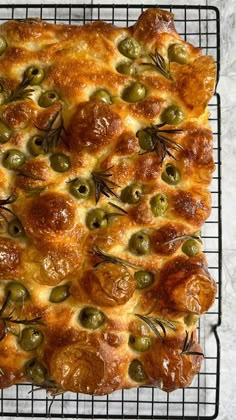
(35, 145)
(140, 343)
(132, 194)
(60, 162)
(190, 320)
(145, 140)
(17, 291)
(96, 218)
(35, 74)
(134, 93)
(171, 174)
(3, 44)
(172, 115)
(143, 279)
(48, 98)
(130, 48)
(59, 293)
(126, 68)
(136, 371)
(91, 318)
(103, 95)
(15, 228)
(5, 132)
(80, 188)
(191, 247)
(159, 204)
(178, 53)
(139, 243)
(36, 372)
(30, 338)
(13, 159)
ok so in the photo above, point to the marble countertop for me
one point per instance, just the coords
(227, 90)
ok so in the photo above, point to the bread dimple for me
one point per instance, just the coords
(68, 229)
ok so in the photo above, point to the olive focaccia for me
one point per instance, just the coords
(106, 160)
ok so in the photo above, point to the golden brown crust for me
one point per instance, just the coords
(186, 285)
(78, 369)
(148, 110)
(49, 263)
(109, 285)
(17, 115)
(196, 83)
(126, 144)
(169, 369)
(192, 210)
(10, 255)
(98, 122)
(164, 238)
(152, 23)
(50, 214)
(70, 265)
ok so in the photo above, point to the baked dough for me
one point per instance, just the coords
(104, 330)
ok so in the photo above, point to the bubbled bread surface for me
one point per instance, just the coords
(57, 243)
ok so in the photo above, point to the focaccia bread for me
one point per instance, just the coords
(106, 160)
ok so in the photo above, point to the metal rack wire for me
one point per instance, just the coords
(200, 26)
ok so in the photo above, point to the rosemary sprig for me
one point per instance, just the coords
(184, 237)
(51, 387)
(3, 203)
(188, 345)
(103, 185)
(4, 209)
(48, 385)
(51, 403)
(159, 63)
(33, 321)
(28, 174)
(8, 200)
(115, 214)
(161, 144)
(3, 91)
(10, 319)
(154, 322)
(53, 132)
(5, 303)
(118, 207)
(104, 257)
(21, 91)
(36, 190)
(3, 331)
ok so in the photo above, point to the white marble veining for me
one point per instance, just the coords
(227, 89)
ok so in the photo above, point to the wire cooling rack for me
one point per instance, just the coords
(200, 26)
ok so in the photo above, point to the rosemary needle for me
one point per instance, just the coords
(104, 257)
(103, 184)
(188, 345)
(153, 322)
(159, 63)
(160, 142)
